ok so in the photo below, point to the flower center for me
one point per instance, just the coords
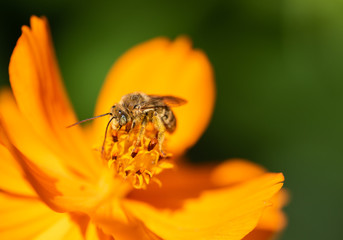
(136, 162)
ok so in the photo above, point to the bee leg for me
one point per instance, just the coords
(141, 131)
(133, 124)
(159, 125)
(139, 137)
(128, 127)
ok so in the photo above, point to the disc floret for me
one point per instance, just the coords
(138, 163)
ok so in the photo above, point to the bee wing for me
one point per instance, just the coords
(170, 101)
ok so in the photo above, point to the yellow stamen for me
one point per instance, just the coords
(138, 163)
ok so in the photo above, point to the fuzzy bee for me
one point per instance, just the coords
(139, 109)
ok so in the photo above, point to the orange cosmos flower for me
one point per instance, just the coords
(55, 184)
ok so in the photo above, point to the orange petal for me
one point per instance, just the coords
(239, 170)
(190, 181)
(29, 218)
(259, 235)
(94, 233)
(235, 171)
(62, 186)
(111, 219)
(177, 185)
(162, 67)
(40, 95)
(11, 175)
(273, 218)
(38, 150)
(227, 213)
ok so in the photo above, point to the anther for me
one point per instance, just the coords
(152, 144)
(134, 152)
(163, 156)
(115, 136)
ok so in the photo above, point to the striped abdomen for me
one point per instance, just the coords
(168, 118)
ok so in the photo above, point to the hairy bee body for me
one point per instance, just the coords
(140, 109)
(168, 118)
(137, 106)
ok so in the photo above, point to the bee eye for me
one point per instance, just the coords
(122, 120)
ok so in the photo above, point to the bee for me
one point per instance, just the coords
(140, 109)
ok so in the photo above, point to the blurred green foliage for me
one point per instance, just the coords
(279, 73)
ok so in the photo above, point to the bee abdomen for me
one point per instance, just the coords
(169, 120)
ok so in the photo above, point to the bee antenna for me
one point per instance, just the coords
(85, 120)
(103, 144)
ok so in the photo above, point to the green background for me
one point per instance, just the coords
(279, 72)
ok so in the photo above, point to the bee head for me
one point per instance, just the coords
(120, 116)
